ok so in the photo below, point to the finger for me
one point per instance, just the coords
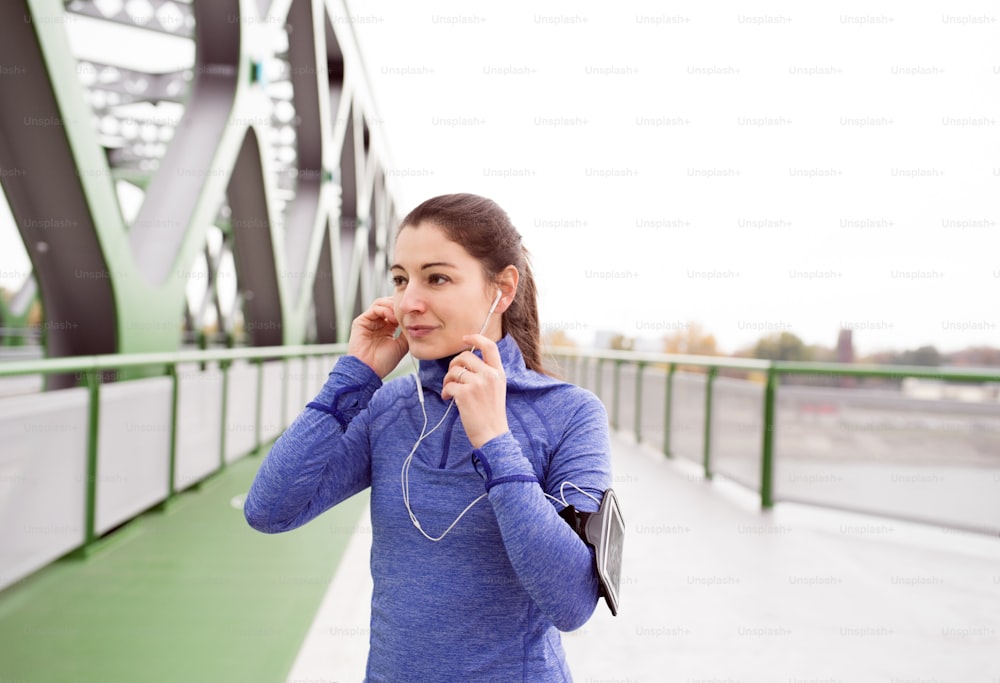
(401, 347)
(381, 302)
(455, 371)
(477, 369)
(379, 315)
(462, 360)
(370, 315)
(467, 362)
(458, 377)
(491, 354)
(386, 313)
(451, 384)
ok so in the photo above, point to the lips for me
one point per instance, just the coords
(419, 331)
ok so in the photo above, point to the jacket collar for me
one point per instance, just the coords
(432, 372)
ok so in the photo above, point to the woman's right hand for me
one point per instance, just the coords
(373, 338)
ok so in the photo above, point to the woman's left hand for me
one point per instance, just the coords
(479, 387)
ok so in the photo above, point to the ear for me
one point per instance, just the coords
(507, 281)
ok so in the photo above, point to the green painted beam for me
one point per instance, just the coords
(767, 443)
(706, 457)
(668, 402)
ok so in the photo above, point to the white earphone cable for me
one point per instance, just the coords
(405, 471)
(404, 474)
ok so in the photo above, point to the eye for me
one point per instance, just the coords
(398, 281)
(438, 279)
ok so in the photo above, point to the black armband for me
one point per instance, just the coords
(604, 531)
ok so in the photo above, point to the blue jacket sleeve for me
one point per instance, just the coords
(322, 458)
(552, 562)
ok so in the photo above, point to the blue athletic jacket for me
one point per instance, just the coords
(487, 602)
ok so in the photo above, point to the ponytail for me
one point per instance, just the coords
(520, 320)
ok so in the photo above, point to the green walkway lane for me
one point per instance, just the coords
(186, 595)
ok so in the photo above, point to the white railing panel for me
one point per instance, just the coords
(317, 371)
(241, 411)
(295, 399)
(626, 396)
(43, 474)
(272, 400)
(199, 423)
(737, 430)
(687, 415)
(133, 449)
(654, 407)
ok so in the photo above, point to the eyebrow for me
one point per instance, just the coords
(434, 264)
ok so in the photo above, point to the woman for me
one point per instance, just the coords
(475, 572)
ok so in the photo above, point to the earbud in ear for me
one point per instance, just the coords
(489, 313)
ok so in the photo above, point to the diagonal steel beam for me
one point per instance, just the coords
(123, 290)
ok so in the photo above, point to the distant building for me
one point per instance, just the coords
(845, 354)
(845, 346)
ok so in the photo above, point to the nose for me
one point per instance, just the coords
(409, 300)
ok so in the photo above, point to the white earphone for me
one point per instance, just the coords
(404, 474)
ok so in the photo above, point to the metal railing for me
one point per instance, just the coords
(90, 370)
(584, 368)
(589, 369)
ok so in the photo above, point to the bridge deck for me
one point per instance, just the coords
(713, 590)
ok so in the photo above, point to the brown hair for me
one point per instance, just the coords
(484, 230)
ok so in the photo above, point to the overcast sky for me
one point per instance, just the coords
(750, 167)
(754, 168)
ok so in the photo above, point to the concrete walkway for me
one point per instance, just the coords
(714, 591)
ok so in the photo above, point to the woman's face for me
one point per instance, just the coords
(440, 293)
